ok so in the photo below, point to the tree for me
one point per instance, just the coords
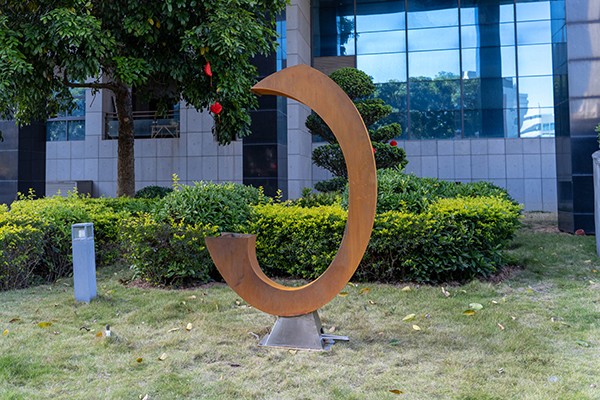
(198, 51)
(360, 88)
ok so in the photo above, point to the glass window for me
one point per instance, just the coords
(536, 91)
(487, 35)
(473, 12)
(489, 62)
(333, 32)
(69, 125)
(536, 32)
(535, 60)
(386, 16)
(489, 93)
(443, 124)
(394, 94)
(56, 131)
(433, 39)
(381, 42)
(383, 67)
(434, 94)
(432, 13)
(528, 10)
(433, 63)
(537, 122)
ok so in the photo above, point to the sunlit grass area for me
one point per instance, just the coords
(533, 335)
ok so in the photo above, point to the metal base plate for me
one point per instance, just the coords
(303, 332)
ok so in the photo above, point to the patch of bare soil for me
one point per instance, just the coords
(541, 222)
(504, 274)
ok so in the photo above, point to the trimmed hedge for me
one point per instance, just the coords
(398, 191)
(297, 241)
(20, 253)
(168, 253)
(454, 240)
(49, 220)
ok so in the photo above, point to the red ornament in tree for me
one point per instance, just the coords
(216, 108)
(207, 70)
(393, 143)
(374, 151)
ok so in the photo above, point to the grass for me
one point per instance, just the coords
(537, 337)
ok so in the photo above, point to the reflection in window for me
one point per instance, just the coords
(487, 35)
(432, 63)
(473, 12)
(489, 62)
(383, 67)
(532, 10)
(433, 39)
(442, 93)
(538, 122)
(463, 77)
(69, 125)
(530, 59)
(432, 13)
(538, 91)
(537, 32)
(381, 42)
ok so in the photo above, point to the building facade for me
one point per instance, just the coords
(497, 90)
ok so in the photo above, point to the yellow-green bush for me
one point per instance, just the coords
(454, 239)
(168, 253)
(20, 253)
(297, 241)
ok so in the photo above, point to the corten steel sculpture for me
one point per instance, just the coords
(235, 254)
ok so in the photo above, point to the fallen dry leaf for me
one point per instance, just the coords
(343, 294)
(44, 324)
(99, 334)
(409, 317)
(469, 312)
(364, 290)
(189, 327)
(192, 297)
(396, 391)
(14, 320)
(416, 327)
(173, 330)
(162, 357)
(406, 289)
(331, 330)
(139, 359)
(372, 302)
(475, 306)
(445, 292)
(5, 332)
(501, 326)
(292, 352)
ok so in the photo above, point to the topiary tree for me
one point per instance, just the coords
(360, 88)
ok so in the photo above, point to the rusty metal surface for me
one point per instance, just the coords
(235, 255)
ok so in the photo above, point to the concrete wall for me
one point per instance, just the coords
(194, 156)
(525, 167)
(299, 140)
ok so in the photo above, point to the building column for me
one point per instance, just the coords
(299, 139)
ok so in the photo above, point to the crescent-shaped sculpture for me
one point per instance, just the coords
(235, 254)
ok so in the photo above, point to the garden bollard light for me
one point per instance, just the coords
(84, 261)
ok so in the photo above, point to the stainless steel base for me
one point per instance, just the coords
(303, 332)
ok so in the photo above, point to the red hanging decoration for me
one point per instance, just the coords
(216, 108)
(207, 70)
(393, 143)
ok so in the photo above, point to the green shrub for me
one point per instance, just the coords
(168, 252)
(296, 241)
(397, 191)
(335, 184)
(226, 206)
(53, 216)
(312, 199)
(21, 250)
(153, 192)
(452, 240)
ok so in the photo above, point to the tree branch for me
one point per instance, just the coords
(91, 85)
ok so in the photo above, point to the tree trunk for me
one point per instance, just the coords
(125, 155)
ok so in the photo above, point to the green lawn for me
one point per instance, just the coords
(536, 337)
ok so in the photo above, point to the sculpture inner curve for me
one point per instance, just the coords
(235, 254)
